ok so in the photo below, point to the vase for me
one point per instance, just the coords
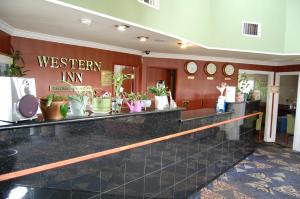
(78, 106)
(52, 112)
(161, 102)
(101, 105)
(146, 104)
(240, 97)
(137, 106)
(117, 105)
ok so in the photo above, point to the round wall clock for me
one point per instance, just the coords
(228, 69)
(191, 67)
(210, 69)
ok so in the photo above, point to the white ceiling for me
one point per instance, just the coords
(39, 16)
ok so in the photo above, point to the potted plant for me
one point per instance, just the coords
(145, 100)
(101, 102)
(243, 84)
(134, 102)
(14, 70)
(161, 99)
(79, 101)
(54, 107)
(118, 79)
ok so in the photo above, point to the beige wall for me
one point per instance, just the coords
(288, 89)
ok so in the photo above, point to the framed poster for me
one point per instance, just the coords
(5, 61)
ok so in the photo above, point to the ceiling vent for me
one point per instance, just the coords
(251, 29)
(151, 3)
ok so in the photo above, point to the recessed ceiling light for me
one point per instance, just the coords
(86, 21)
(122, 28)
(143, 39)
(184, 44)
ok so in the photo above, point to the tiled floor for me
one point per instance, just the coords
(272, 172)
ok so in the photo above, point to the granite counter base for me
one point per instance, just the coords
(169, 169)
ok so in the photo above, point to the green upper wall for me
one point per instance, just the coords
(171, 18)
(228, 18)
(292, 34)
(214, 23)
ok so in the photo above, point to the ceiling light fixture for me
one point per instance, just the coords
(184, 44)
(86, 21)
(142, 38)
(122, 28)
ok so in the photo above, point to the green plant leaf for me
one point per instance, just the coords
(49, 100)
(64, 110)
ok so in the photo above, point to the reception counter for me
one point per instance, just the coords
(153, 154)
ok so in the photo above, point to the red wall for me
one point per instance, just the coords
(4, 43)
(44, 77)
(287, 68)
(200, 92)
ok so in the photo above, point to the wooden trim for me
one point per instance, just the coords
(55, 165)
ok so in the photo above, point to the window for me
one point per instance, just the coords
(151, 3)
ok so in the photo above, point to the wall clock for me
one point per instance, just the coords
(191, 67)
(210, 69)
(228, 69)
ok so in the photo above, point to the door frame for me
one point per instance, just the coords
(269, 102)
(296, 141)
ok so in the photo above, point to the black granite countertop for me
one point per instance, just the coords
(71, 119)
(199, 113)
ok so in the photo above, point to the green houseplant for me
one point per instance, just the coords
(134, 102)
(118, 79)
(101, 102)
(79, 101)
(160, 94)
(243, 84)
(54, 107)
(145, 100)
(14, 70)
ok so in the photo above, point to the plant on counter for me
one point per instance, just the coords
(161, 99)
(14, 70)
(145, 100)
(118, 79)
(79, 101)
(54, 107)
(243, 85)
(158, 91)
(134, 102)
(101, 102)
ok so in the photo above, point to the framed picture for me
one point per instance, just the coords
(5, 61)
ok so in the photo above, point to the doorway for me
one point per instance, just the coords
(286, 109)
(168, 76)
(264, 82)
(286, 102)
